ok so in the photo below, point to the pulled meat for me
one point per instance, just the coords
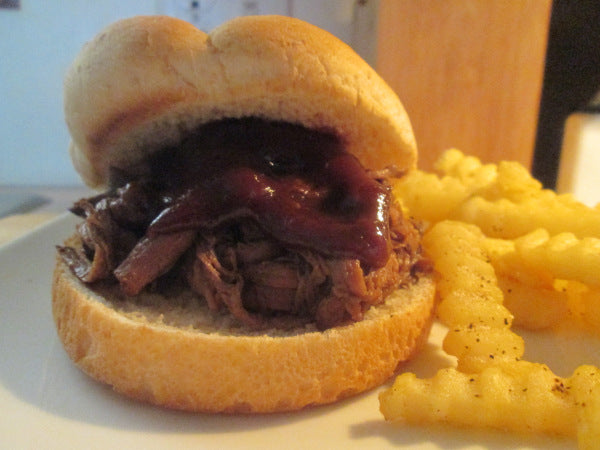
(264, 284)
(276, 239)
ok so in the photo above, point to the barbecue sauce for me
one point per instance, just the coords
(300, 185)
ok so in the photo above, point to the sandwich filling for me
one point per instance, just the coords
(269, 221)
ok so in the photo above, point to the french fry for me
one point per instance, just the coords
(591, 307)
(479, 347)
(584, 303)
(470, 299)
(586, 392)
(468, 170)
(534, 307)
(503, 200)
(502, 245)
(427, 197)
(563, 256)
(503, 218)
(459, 258)
(521, 396)
(529, 294)
(512, 182)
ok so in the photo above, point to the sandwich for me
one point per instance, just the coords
(245, 253)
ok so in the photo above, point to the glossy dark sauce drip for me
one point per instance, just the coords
(299, 185)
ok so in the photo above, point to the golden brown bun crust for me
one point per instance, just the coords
(143, 82)
(184, 359)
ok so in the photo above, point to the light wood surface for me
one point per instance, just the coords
(469, 73)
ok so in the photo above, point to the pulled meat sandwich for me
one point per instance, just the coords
(246, 253)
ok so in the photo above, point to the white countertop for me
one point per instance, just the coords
(23, 199)
(24, 208)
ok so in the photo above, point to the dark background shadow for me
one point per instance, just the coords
(571, 79)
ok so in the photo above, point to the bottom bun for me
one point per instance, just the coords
(178, 354)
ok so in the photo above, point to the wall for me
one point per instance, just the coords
(38, 42)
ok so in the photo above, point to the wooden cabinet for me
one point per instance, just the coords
(469, 73)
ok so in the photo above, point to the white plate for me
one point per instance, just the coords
(48, 403)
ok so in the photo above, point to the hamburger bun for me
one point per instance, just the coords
(181, 355)
(143, 83)
(139, 87)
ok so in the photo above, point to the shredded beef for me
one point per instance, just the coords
(278, 236)
(279, 286)
(151, 258)
(114, 223)
(238, 267)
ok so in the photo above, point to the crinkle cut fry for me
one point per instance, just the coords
(510, 207)
(504, 200)
(520, 396)
(470, 300)
(555, 254)
(492, 259)
(541, 283)
(501, 391)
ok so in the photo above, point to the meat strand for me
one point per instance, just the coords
(287, 287)
(348, 219)
(151, 258)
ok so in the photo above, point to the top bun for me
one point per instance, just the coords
(142, 83)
